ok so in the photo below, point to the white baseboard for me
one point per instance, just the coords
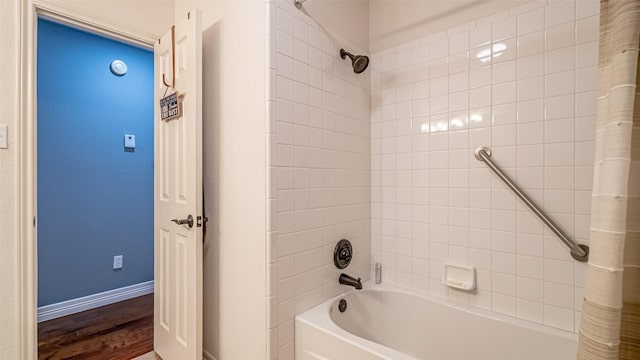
(207, 355)
(89, 302)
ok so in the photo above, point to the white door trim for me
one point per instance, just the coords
(70, 15)
(27, 185)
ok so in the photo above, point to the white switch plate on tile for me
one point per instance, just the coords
(4, 143)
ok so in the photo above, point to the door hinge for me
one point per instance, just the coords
(34, 221)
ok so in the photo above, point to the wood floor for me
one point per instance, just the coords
(120, 331)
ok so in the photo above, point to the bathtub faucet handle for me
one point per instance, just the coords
(345, 255)
(342, 254)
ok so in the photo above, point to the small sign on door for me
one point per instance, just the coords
(170, 107)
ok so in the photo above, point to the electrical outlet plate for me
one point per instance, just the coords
(117, 262)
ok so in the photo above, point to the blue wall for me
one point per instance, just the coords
(94, 199)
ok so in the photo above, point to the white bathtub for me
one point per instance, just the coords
(384, 323)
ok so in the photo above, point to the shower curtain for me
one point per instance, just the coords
(610, 325)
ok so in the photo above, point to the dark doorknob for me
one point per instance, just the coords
(187, 221)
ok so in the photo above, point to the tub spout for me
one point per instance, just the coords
(351, 281)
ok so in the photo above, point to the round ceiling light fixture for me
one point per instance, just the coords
(118, 67)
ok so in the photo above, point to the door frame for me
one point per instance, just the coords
(30, 10)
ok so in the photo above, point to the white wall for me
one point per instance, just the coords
(148, 18)
(319, 169)
(234, 89)
(348, 18)
(9, 244)
(434, 101)
(393, 22)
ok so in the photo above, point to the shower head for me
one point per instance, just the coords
(359, 62)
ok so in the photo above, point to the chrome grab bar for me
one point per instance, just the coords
(579, 252)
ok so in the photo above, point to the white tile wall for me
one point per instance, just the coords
(525, 85)
(318, 166)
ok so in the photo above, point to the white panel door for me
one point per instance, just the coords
(178, 195)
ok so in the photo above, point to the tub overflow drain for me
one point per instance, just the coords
(342, 305)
